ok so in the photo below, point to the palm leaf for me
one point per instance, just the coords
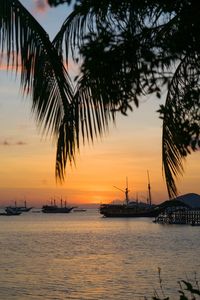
(74, 29)
(43, 75)
(87, 116)
(181, 122)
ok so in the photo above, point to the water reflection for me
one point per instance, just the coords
(85, 256)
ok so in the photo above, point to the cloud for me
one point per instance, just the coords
(41, 6)
(7, 143)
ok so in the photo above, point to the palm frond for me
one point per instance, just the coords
(29, 50)
(88, 116)
(73, 31)
(66, 145)
(94, 110)
(181, 121)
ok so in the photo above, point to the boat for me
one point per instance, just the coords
(79, 210)
(133, 209)
(20, 208)
(24, 208)
(126, 211)
(53, 208)
(11, 211)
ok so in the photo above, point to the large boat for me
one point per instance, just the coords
(134, 209)
(53, 208)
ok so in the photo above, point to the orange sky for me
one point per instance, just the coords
(27, 160)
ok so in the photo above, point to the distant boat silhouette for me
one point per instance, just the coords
(11, 211)
(20, 208)
(53, 208)
(79, 210)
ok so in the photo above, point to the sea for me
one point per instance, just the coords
(84, 256)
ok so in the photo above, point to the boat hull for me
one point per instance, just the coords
(10, 211)
(10, 214)
(20, 208)
(48, 209)
(123, 211)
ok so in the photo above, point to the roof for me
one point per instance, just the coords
(190, 200)
(193, 200)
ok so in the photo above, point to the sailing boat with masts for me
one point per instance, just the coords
(53, 208)
(130, 208)
(17, 208)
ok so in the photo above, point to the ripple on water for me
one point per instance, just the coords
(84, 256)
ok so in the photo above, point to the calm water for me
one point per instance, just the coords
(84, 256)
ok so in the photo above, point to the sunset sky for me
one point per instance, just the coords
(133, 146)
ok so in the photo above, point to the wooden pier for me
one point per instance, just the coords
(180, 216)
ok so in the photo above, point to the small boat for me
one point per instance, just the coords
(53, 208)
(79, 210)
(20, 208)
(11, 211)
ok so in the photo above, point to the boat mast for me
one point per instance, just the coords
(125, 191)
(149, 188)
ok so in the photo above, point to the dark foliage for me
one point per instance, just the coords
(128, 49)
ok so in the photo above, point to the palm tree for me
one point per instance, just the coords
(128, 49)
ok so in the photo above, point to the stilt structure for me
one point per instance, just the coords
(179, 216)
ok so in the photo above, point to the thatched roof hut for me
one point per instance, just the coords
(191, 201)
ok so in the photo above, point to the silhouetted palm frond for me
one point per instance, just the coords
(66, 147)
(74, 30)
(88, 117)
(181, 119)
(27, 49)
